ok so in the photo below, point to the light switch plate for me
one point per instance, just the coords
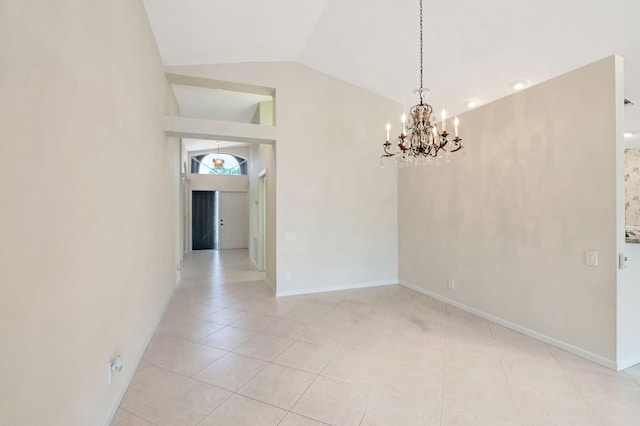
(592, 258)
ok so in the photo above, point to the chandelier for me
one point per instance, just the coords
(420, 141)
(218, 162)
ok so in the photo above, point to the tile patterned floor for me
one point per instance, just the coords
(228, 353)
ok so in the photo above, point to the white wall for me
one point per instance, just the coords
(331, 192)
(629, 309)
(89, 190)
(185, 200)
(511, 221)
(218, 183)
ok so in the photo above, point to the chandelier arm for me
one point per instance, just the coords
(444, 142)
(387, 152)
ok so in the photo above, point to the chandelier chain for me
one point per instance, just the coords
(421, 60)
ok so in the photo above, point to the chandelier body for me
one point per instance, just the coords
(422, 140)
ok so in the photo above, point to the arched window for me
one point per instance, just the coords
(233, 165)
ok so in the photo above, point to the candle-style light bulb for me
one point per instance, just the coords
(455, 125)
(444, 120)
(403, 119)
(388, 127)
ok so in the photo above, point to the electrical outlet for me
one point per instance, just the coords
(451, 284)
(115, 365)
(287, 276)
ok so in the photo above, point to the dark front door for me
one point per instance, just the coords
(202, 208)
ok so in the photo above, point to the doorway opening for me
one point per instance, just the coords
(219, 220)
(204, 235)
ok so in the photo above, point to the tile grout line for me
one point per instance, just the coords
(216, 407)
(300, 397)
(573, 385)
(506, 378)
(444, 368)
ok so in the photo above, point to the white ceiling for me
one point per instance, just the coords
(473, 49)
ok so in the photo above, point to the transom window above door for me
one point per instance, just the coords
(203, 164)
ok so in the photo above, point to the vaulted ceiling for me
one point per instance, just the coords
(472, 49)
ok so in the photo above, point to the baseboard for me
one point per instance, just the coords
(598, 359)
(273, 287)
(335, 288)
(629, 362)
(254, 263)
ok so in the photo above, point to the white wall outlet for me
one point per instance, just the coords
(592, 258)
(287, 276)
(451, 283)
(115, 365)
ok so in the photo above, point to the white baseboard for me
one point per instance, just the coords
(273, 287)
(598, 359)
(254, 263)
(629, 362)
(335, 288)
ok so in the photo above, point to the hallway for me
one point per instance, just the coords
(227, 352)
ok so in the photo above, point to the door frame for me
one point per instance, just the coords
(262, 221)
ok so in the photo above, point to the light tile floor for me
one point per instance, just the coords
(227, 352)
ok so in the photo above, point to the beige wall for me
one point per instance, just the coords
(511, 221)
(331, 192)
(629, 309)
(89, 188)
